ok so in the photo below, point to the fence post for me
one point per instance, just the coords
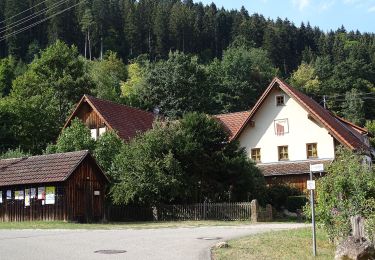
(254, 207)
(269, 212)
(155, 213)
(205, 209)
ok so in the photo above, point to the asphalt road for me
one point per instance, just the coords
(162, 243)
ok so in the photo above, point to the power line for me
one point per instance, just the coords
(36, 23)
(23, 12)
(32, 16)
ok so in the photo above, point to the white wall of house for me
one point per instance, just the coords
(302, 130)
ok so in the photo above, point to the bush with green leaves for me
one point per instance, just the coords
(277, 195)
(347, 190)
(184, 161)
(14, 153)
(295, 203)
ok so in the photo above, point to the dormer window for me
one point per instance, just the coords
(280, 100)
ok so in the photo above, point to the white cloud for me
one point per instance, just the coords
(301, 4)
(371, 9)
(325, 5)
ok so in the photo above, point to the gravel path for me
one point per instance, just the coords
(163, 243)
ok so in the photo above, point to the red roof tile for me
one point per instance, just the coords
(290, 168)
(340, 130)
(127, 121)
(232, 121)
(39, 169)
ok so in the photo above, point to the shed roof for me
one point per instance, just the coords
(290, 168)
(126, 121)
(232, 121)
(40, 169)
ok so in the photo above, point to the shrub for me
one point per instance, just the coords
(294, 203)
(277, 195)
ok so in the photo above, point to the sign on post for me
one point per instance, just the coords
(311, 187)
(317, 167)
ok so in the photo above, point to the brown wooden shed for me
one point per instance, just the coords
(63, 186)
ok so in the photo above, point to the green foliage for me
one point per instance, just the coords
(370, 125)
(76, 137)
(352, 108)
(42, 97)
(277, 195)
(7, 74)
(131, 87)
(187, 161)
(306, 79)
(107, 147)
(175, 86)
(240, 77)
(346, 190)
(15, 153)
(294, 203)
(107, 76)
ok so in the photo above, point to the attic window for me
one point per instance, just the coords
(102, 130)
(94, 133)
(280, 100)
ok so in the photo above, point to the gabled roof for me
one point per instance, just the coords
(232, 121)
(290, 168)
(339, 129)
(126, 121)
(40, 169)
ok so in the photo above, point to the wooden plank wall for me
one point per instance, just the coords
(297, 181)
(12, 210)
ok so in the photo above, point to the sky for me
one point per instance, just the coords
(327, 14)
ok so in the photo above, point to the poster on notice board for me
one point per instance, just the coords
(50, 195)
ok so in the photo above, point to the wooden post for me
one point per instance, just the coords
(269, 212)
(358, 227)
(254, 205)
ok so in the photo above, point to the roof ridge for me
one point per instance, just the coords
(118, 104)
(44, 155)
(231, 113)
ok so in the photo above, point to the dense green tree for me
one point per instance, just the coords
(107, 75)
(107, 147)
(175, 86)
(352, 108)
(42, 97)
(370, 125)
(187, 161)
(76, 137)
(305, 78)
(240, 77)
(7, 74)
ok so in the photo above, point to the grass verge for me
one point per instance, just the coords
(289, 244)
(116, 225)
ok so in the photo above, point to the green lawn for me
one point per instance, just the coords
(124, 225)
(291, 244)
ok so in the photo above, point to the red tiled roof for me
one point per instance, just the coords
(344, 134)
(232, 121)
(290, 168)
(40, 169)
(127, 121)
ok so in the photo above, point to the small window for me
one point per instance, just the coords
(94, 133)
(283, 153)
(255, 154)
(312, 150)
(102, 130)
(280, 100)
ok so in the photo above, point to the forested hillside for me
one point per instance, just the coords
(177, 56)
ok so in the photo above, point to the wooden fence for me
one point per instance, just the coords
(15, 210)
(198, 211)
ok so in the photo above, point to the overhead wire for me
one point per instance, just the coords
(36, 23)
(31, 16)
(9, 18)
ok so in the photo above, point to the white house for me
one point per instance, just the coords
(286, 131)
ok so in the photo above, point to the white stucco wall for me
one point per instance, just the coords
(301, 131)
